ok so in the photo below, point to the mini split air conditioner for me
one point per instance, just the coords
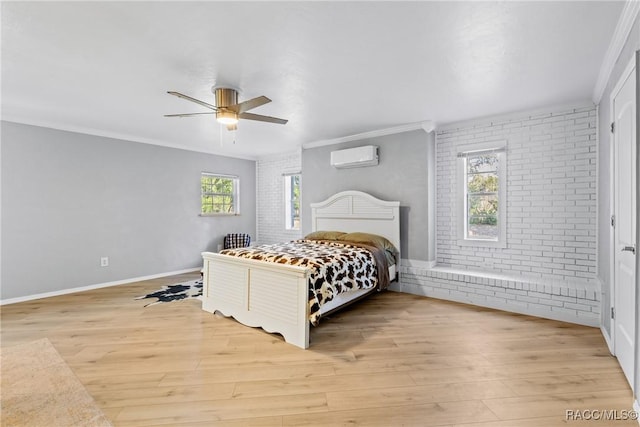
(355, 157)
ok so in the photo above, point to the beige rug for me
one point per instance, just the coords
(39, 389)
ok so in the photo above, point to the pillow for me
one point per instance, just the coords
(370, 239)
(324, 235)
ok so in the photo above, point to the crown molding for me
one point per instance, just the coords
(619, 38)
(111, 135)
(427, 126)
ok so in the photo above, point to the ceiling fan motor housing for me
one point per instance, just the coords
(226, 96)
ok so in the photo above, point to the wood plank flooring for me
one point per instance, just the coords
(393, 359)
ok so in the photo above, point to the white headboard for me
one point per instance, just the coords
(353, 211)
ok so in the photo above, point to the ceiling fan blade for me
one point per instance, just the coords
(258, 117)
(249, 104)
(188, 98)
(188, 114)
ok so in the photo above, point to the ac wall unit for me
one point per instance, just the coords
(355, 157)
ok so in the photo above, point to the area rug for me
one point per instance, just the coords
(39, 389)
(177, 292)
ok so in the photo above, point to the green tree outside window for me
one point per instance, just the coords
(482, 196)
(218, 194)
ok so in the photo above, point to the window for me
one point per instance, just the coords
(482, 197)
(219, 194)
(292, 201)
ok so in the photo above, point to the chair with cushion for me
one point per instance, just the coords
(236, 240)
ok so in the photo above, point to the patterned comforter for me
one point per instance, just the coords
(335, 267)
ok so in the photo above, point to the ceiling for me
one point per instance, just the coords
(334, 69)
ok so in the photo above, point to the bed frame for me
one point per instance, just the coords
(275, 296)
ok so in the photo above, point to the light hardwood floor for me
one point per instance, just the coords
(393, 359)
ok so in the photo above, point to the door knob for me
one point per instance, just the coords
(631, 249)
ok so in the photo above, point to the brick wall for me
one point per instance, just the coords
(551, 195)
(270, 197)
(549, 265)
(570, 301)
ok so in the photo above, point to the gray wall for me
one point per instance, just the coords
(402, 175)
(604, 173)
(69, 199)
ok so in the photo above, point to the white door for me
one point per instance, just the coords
(624, 249)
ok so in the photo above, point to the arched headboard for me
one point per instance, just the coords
(353, 211)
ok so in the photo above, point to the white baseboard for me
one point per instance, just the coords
(97, 286)
(607, 339)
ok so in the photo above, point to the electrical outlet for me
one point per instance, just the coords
(104, 261)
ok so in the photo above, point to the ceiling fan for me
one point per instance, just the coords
(227, 109)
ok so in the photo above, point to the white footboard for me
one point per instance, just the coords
(259, 294)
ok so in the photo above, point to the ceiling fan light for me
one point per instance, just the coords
(227, 117)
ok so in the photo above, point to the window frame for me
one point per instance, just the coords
(289, 222)
(464, 152)
(235, 194)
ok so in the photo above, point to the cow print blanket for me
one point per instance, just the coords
(335, 267)
(180, 291)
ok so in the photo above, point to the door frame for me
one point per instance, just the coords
(636, 388)
(630, 68)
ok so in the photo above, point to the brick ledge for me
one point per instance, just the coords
(582, 288)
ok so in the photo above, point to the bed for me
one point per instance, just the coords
(276, 296)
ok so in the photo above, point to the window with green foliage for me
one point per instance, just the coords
(482, 195)
(219, 194)
(292, 201)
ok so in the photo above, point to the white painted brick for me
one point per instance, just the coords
(551, 204)
(270, 197)
(566, 311)
(571, 300)
(552, 303)
(528, 299)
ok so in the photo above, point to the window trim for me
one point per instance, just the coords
(288, 201)
(236, 194)
(464, 151)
